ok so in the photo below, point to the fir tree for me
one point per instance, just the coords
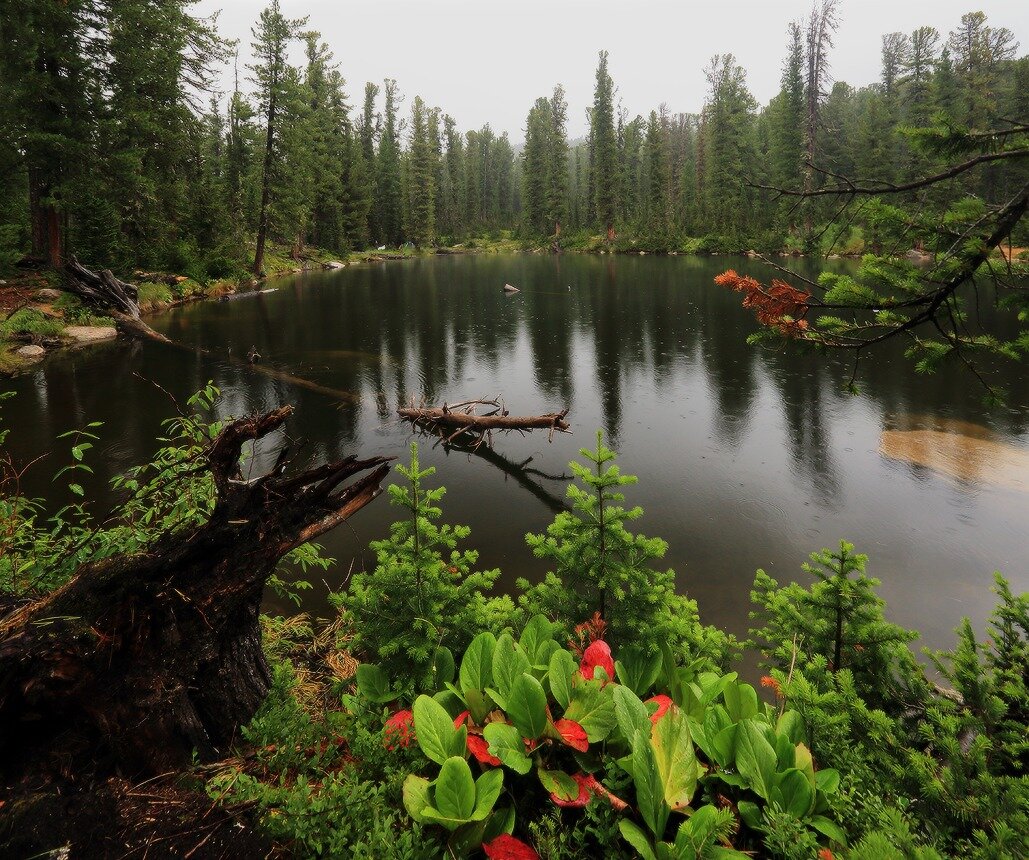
(604, 150)
(422, 177)
(423, 593)
(601, 567)
(389, 218)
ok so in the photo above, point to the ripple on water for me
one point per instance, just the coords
(760, 510)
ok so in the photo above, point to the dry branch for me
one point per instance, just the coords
(452, 422)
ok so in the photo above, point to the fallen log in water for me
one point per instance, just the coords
(451, 422)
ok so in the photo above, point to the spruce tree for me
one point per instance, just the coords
(389, 218)
(601, 567)
(422, 178)
(272, 34)
(604, 151)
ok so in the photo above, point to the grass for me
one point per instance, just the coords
(31, 323)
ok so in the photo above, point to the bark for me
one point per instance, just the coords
(117, 299)
(269, 151)
(451, 422)
(141, 659)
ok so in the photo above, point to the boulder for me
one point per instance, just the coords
(31, 351)
(335, 264)
(90, 333)
(48, 294)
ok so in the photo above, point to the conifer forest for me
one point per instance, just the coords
(701, 429)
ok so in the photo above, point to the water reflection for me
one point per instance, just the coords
(747, 457)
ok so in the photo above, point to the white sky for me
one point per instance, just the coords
(484, 61)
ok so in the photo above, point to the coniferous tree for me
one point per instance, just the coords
(422, 177)
(272, 36)
(604, 150)
(389, 184)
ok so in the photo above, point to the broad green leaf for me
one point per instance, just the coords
(755, 758)
(827, 780)
(508, 664)
(435, 731)
(432, 814)
(638, 670)
(559, 783)
(632, 834)
(804, 762)
(416, 795)
(477, 664)
(650, 795)
(750, 814)
(723, 745)
(712, 685)
(630, 713)
(791, 724)
(740, 701)
(505, 742)
(527, 706)
(716, 719)
(670, 674)
(373, 684)
(785, 755)
(592, 707)
(536, 632)
(795, 793)
(487, 789)
(828, 828)
(442, 667)
(675, 759)
(454, 792)
(559, 676)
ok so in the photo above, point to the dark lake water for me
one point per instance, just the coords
(747, 457)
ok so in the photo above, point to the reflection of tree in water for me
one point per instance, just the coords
(729, 363)
(806, 391)
(552, 314)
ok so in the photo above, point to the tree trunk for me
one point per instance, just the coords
(269, 148)
(450, 422)
(141, 659)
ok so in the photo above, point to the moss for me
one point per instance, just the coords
(29, 322)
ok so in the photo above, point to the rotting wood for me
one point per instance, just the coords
(142, 658)
(450, 422)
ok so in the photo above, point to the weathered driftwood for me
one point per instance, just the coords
(509, 289)
(451, 422)
(103, 291)
(141, 659)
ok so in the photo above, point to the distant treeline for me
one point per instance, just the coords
(116, 148)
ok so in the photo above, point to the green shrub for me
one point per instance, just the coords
(601, 567)
(423, 595)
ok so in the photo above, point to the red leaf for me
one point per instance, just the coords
(460, 718)
(598, 654)
(663, 704)
(480, 749)
(584, 793)
(399, 730)
(506, 847)
(573, 734)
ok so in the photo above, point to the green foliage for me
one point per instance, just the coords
(600, 566)
(31, 324)
(423, 595)
(837, 624)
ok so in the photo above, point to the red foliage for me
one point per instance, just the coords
(587, 633)
(771, 684)
(478, 747)
(460, 718)
(573, 734)
(399, 730)
(506, 847)
(825, 854)
(778, 305)
(663, 704)
(588, 784)
(598, 654)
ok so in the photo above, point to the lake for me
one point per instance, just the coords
(747, 457)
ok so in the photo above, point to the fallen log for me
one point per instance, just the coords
(103, 291)
(451, 422)
(143, 658)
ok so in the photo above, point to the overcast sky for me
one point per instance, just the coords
(484, 61)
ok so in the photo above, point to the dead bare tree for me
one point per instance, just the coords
(452, 421)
